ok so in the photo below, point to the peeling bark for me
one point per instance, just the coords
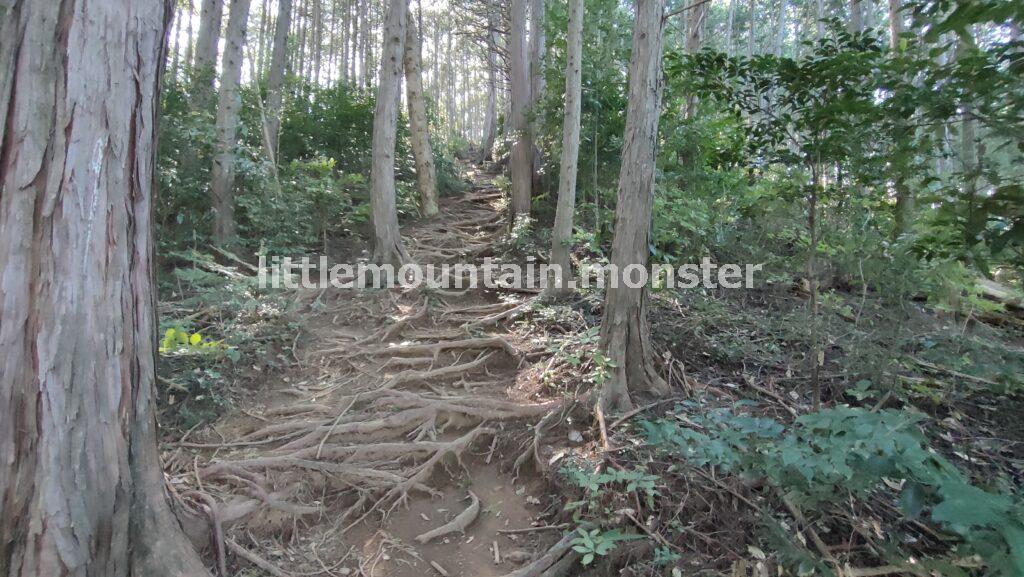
(81, 490)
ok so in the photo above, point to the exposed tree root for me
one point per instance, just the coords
(456, 525)
(555, 562)
(435, 349)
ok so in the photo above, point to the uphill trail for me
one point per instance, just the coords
(404, 442)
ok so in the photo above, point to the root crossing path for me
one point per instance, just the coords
(392, 448)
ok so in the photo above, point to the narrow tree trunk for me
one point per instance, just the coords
(228, 105)
(625, 334)
(561, 233)
(696, 16)
(538, 49)
(780, 30)
(729, 26)
(317, 44)
(206, 50)
(426, 176)
(522, 148)
(81, 489)
(819, 30)
(856, 17)
(490, 128)
(904, 193)
(365, 29)
(275, 79)
(176, 46)
(895, 24)
(751, 5)
(387, 245)
(190, 41)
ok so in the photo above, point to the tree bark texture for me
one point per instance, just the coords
(210, 16)
(229, 103)
(522, 147)
(275, 78)
(625, 334)
(387, 238)
(426, 175)
(561, 234)
(81, 489)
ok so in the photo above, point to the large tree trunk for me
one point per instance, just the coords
(426, 176)
(561, 234)
(81, 490)
(387, 239)
(625, 335)
(205, 73)
(522, 148)
(228, 105)
(275, 79)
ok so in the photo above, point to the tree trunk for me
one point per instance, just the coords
(426, 176)
(275, 79)
(538, 48)
(895, 24)
(228, 105)
(81, 489)
(819, 31)
(751, 5)
(522, 148)
(729, 26)
(189, 42)
(780, 30)
(625, 334)
(856, 17)
(696, 16)
(561, 234)
(387, 245)
(206, 50)
(490, 128)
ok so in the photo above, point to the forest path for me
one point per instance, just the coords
(406, 407)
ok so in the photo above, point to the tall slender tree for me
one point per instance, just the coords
(275, 78)
(210, 16)
(561, 234)
(625, 333)
(490, 128)
(228, 104)
(522, 147)
(387, 238)
(82, 492)
(426, 175)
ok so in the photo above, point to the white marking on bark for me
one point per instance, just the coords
(96, 167)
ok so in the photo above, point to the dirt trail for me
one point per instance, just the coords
(404, 403)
